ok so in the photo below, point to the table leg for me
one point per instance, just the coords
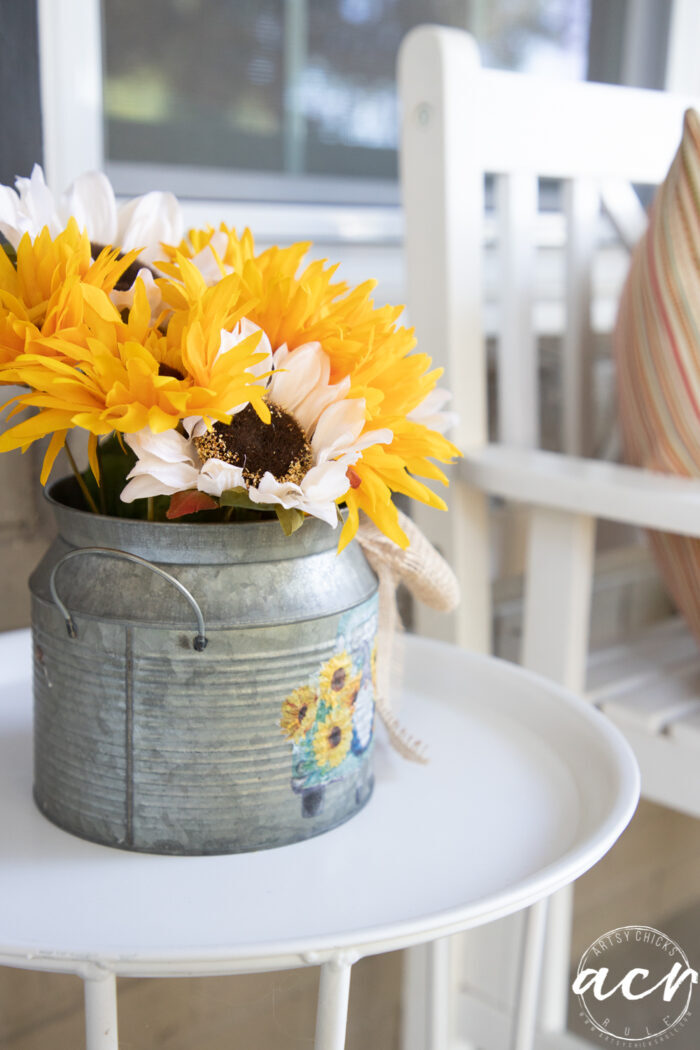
(101, 1013)
(332, 1011)
(439, 994)
(525, 1021)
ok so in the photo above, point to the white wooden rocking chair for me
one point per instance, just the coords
(459, 122)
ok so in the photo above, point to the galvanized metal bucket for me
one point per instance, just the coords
(200, 688)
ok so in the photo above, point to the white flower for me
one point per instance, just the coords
(142, 223)
(139, 223)
(332, 423)
(430, 411)
(166, 463)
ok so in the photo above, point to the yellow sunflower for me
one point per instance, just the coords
(333, 737)
(54, 286)
(109, 374)
(338, 684)
(295, 305)
(299, 713)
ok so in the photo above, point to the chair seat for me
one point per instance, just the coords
(652, 680)
(650, 688)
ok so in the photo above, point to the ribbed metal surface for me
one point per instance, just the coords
(143, 743)
(79, 727)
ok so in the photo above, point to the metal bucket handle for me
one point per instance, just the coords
(200, 642)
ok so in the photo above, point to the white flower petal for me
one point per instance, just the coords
(216, 477)
(91, 201)
(326, 482)
(300, 384)
(292, 496)
(142, 488)
(176, 477)
(166, 463)
(325, 511)
(270, 490)
(312, 407)
(194, 426)
(338, 428)
(146, 221)
(29, 209)
(37, 207)
(430, 411)
(9, 216)
(164, 480)
(296, 374)
(170, 446)
(383, 436)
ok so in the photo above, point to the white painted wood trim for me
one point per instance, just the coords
(70, 68)
(582, 486)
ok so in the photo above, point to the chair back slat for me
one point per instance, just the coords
(517, 354)
(581, 211)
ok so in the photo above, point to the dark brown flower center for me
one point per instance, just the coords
(302, 712)
(130, 274)
(334, 736)
(279, 446)
(338, 679)
(167, 370)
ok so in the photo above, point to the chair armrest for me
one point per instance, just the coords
(586, 486)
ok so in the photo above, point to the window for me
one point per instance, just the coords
(291, 99)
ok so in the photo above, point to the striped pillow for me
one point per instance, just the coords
(657, 346)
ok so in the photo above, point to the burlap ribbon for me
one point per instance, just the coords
(429, 579)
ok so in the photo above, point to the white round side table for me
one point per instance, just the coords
(526, 788)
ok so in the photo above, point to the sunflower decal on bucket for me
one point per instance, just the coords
(299, 713)
(338, 683)
(329, 720)
(333, 737)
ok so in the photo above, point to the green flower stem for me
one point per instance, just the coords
(151, 513)
(81, 481)
(101, 482)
